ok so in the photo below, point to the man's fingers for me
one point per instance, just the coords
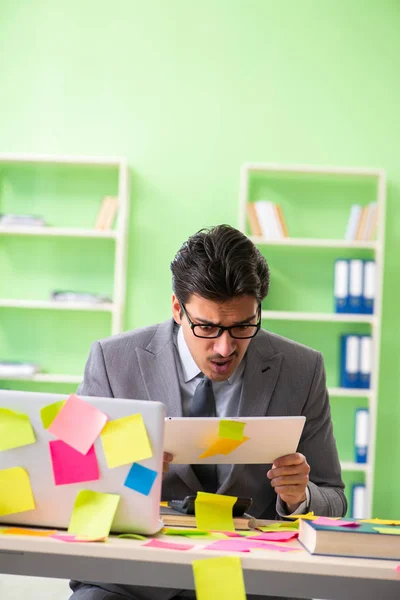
(168, 457)
(288, 471)
(289, 481)
(290, 459)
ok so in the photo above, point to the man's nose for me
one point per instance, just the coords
(224, 345)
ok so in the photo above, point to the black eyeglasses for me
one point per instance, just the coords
(239, 332)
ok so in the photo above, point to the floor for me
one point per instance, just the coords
(15, 587)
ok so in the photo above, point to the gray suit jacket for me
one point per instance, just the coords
(281, 378)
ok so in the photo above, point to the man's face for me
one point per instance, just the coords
(219, 357)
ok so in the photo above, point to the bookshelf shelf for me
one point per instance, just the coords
(44, 305)
(353, 466)
(309, 316)
(46, 378)
(58, 232)
(315, 243)
(304, 201)
(349, 393)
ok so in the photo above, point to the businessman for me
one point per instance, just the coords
(214, 359)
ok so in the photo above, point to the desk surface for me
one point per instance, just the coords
(126, 561)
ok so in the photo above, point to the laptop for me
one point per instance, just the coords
(136, 512)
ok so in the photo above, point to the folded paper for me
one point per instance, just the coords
(214, 512)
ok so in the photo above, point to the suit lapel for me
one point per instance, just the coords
(157, 363)
(260, 376)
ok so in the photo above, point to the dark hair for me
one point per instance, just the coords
(219, 263)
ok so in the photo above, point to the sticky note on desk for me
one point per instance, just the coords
(15, 491)
(70, 466)
(381, 521)
(232, 430)
(78, 424)
(15, 430)
(48, 413)
(125, 441)
(214, 512)
(93, 514)
(220, 577)
(388, 530)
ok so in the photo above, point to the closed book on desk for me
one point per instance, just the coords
(364, 541)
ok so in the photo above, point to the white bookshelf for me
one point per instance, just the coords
(117, 237)
(378, 176)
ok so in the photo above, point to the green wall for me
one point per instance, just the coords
(188, 91)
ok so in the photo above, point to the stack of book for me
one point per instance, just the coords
(354, 286)
(15, 369)
(266, 220)
(9, 220)
(355, 361)
(362, 222)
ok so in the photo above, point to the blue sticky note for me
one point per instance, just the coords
(140, 479)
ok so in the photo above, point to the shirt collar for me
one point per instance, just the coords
(190, 368)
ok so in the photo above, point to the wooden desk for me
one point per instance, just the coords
(293, 574)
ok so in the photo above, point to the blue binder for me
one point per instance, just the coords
(355, 285)
(341, 285)
(365, 361)
(369, 286)
(358, 501)
(350, 361)
(361, 435)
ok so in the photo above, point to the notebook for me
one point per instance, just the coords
(367, 540)
(136, 512)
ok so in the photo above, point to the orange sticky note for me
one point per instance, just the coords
(223, 446)
(32, 532)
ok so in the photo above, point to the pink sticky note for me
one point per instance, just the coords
(232, 534)
(275, 536)
(78, 424)
(74, 538)
(70, 466)
(398, 568)
(167, 545)
(327, 522)
(235, 545)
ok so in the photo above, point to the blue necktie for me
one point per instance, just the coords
(203, 405)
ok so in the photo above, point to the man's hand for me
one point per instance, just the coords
(289, 478)
(167, 459)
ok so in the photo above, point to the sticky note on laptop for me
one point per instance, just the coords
(15, 491)
(93, 514)
(48, 413)
(15, 430)
(125, 441)
(70, 466)
(78, 424)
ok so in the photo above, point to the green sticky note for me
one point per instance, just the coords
(132, 536)
(48, 413)
(185, 532)
(220, 577)
(125, 441)
(214, 512)
(388, 530)
(232, 430)
(93, 514)
(15, 491)
(15, 430)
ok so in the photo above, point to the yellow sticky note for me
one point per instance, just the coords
(15, 429)
(232, 430)
(93, 514)
(223, 446)
(380, 521)
(48, 413)
(214, 512)
(125, 441)
(388, 530)
(289, 526)
(15, 491)
(217, 578)
(308, 516)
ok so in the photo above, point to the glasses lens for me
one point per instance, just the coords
(244, 331)
(206, 331)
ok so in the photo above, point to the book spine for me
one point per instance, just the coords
(361, 224)
(352, 224)
(361, 435)
(341, 285)
(282, 220)
(254, 224)
(365, 361)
